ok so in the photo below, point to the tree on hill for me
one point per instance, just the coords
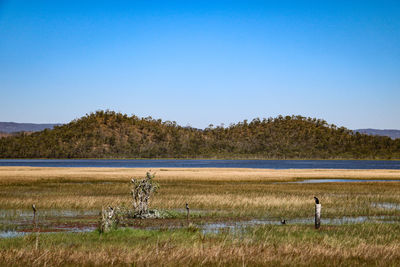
(107, 134)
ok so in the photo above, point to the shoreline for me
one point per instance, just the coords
(212, 174)
(211, 159)
(204, 164)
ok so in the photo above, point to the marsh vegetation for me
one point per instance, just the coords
(235, 217)
(359, 244)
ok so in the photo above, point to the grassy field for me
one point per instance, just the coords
(213, 195)
(350, 245)
(233, 192)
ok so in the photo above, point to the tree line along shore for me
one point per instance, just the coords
(107, 134)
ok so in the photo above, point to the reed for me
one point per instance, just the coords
(362, 244)
(219, 193)
(225, 192)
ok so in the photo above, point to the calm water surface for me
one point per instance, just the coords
(259, 164)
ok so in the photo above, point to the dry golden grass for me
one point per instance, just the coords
(233, 192)
(284, 255)
(214, 174)
(270, 245)
(224, 192)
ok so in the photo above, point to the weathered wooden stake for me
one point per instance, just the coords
(187, 214)
(34, 214)
(35, 226)
(317, 216)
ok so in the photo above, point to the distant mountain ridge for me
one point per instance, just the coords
(13, 127)
(394, 134)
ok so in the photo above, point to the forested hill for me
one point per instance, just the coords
(106, 134)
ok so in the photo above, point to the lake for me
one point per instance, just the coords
(173, 163)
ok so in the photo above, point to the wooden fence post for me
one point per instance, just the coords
(34, 214)
(317, 216)
(187, 214)
(35, 228)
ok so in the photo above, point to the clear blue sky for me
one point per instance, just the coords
(201, 62)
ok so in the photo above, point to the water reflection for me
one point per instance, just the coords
(235, 226)
(15, 223)
(388, 206)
